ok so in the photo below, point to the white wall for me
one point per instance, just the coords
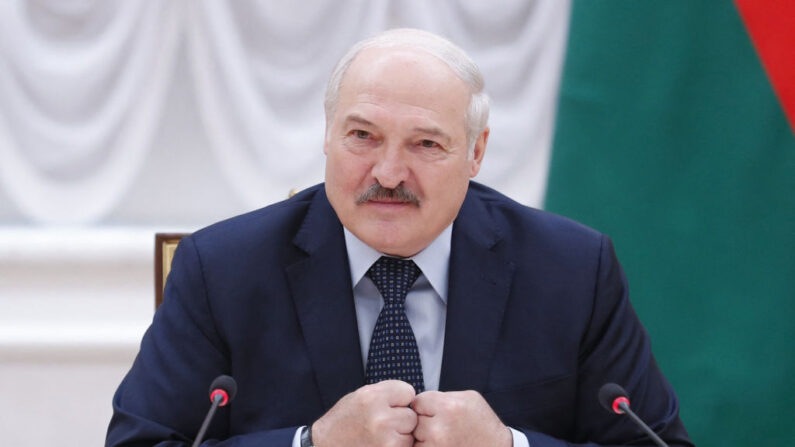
(74, 306)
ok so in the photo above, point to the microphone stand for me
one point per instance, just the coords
(624, 406)
(217, 399)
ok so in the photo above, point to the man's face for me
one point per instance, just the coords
(399, 124)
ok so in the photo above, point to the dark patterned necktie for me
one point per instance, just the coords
(393, 349)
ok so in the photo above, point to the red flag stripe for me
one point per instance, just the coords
(771, 25)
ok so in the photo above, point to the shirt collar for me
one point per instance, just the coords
(433, 260)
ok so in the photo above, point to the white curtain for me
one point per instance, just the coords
(83, 86)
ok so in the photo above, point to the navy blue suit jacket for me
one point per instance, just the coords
(538, 318)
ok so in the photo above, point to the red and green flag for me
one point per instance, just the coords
(674, 136)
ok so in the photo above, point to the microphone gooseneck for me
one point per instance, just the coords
(614, 399)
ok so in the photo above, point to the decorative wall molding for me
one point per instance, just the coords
(74, 293)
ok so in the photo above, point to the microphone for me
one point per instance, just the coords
(615, 400)
(222, 391)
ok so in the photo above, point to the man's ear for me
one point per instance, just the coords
(479, 152)
(325, 139)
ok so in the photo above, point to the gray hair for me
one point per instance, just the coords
(477, 114)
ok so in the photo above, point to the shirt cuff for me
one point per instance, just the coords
(297, 437)
(519, 439)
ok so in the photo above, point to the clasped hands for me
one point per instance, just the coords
(390, 414)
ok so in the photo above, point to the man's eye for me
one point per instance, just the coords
(363, 134)
(428, 143)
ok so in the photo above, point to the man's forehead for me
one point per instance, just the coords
(409, 79)
(398, 65)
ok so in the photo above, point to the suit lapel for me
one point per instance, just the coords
(480, 281)
(323, 296)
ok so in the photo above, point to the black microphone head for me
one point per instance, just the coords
(608, 395)
(225, 383)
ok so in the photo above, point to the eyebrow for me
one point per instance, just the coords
(358, 119)
(433, 131)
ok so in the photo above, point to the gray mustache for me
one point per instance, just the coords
(378, 192)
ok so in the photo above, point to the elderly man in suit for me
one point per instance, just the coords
(399, 303)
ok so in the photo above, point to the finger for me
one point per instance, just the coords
(472, 401)
(467, 396)
(404, 419)
(427, 403)
(404, 440)
(397, 392)
(422, 432)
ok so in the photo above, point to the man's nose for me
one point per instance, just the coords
(391, 166)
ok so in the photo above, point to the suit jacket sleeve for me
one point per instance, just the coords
(163, 399)
(616, 348)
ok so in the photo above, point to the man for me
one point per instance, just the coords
(399, 303)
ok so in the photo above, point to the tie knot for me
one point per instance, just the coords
(393, 277)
